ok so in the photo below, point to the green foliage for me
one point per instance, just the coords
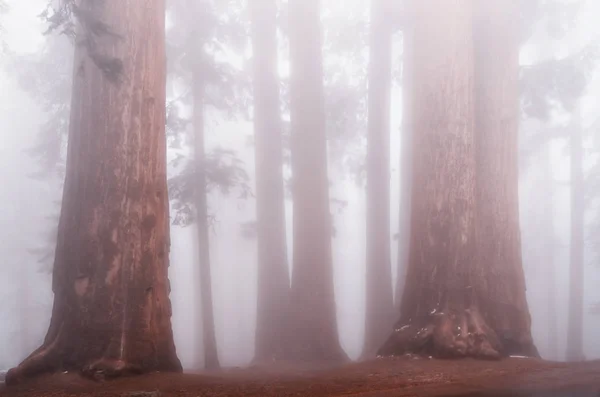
(557, 82)
(206, 37)
(224, 171)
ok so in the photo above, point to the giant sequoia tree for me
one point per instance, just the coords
(465, 292)
(379, 297)
(273, 274)
(313, 325)
(111, 311)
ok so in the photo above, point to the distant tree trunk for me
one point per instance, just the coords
(497, 124)
(273, 274)
(24, 307)
(211, 357)
(380, 313)
(112, 313)
(450, 305)
(406, 158)
(313, 323)
(576, 285)
(548, 250)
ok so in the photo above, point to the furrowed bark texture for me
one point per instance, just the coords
(273, 273)
(380, 313)
(465, 289)
(438, 303)
(502, 297)
(576, 285)
(313, 325)
(112, 313)
(209, 341)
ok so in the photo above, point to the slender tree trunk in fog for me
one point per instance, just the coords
(548, 250)
(313, 325)
(406, 159)
(112, 313)
(209, 342)
(575, 323)
(380, 313)
(453, 305)
(24, 307)
(497, 117)
(273, 275)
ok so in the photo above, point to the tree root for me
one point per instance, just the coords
(445, 335)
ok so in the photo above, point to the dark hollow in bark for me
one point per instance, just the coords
(380, 313)
(112, 313)
(465, 290)
(273, 274)
(313, 323)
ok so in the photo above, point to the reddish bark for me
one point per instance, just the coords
(112, 313)
(465, 290)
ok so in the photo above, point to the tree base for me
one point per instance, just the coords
(46, 360)
(455, 335)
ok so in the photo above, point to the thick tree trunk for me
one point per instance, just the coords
(380, 313)
(273, 274)
(406, 153)
(439, 313)
(313, 324)
(502, 298)
(548, 251)
(211, 358)
(112, 313)
(576, 286)
(465, 292)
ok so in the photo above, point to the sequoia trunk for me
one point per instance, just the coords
(112, 313)
(380, 313)
(502, 299)
(438, 303)
(273, 275)
(465, 292)
(209, 342)
(313, 325)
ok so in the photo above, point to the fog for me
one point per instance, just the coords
(28, 208)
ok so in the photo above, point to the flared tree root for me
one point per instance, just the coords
(453, 335)
(48, 359)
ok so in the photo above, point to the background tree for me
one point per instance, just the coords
(110, 278)
(273, 274)
(576, 247)
(196, 41)
(380, 313)
(406, 153)
(313, 316)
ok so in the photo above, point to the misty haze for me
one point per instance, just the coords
(299, 197)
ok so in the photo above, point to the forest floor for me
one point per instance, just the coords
(404, 376)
